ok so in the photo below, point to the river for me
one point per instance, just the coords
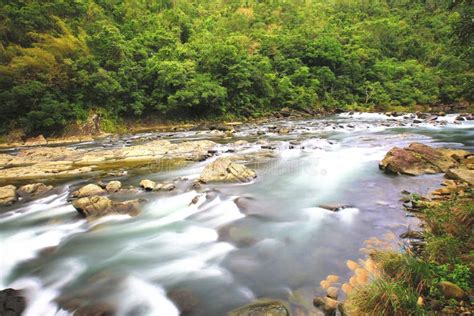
(239, 242)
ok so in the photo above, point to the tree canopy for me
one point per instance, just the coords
(60, 60)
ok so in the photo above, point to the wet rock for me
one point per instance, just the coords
(98, 206)
(226, 170)
(452, 291)
(461, 173)
(7, 195)
(283, 131)
(326, 304)
(88, 190)
(12, 302)
(34, 190)
(113, 186)
(334, 207)
(147, 185)
(184, 300)
(95, 310)
(165, 187)
(262, 308)
(416, 159)
(62, 162)
(332, 292)
(412, 234)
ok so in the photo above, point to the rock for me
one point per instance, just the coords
(148, 185)
(326, 304)
(334, 207)
(285, 112)
(88, 190)
(452, 291)
(184, 299)
(415, 160)
(412, 234)
(7, 195)
(262, 307)
(283, 131)
(12, 302)
(36, 141)
(98, 206)
(461, 173)
(113, 186)
(332, 292)
(226, 170)
(63, 162)
(95, 310)
(34, 190)
(165, 187)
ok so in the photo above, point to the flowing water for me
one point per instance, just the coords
(239, 242)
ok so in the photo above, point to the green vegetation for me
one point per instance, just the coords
(404, 277)
(60, 60)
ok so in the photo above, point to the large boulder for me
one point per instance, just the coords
(98, 206)
(7, 195)
(226, 170)
(417, 159)
(88, 190)
(34, 190)
(262, 308)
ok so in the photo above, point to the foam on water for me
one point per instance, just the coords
(148, 298)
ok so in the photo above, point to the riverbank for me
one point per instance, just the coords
(97, 127)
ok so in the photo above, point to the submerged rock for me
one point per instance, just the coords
(226, 170)
(326, 304)
(7, 195)
(417, 159)
(334, 207)
(88, 190)
(34, 190)
(98, 206)
(262, 308)
(12, 302)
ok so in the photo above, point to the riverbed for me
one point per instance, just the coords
(239, 242)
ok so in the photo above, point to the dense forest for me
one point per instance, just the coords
(61, 60)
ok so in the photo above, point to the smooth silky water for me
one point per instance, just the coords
(239, 242)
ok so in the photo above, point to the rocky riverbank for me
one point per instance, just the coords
(207, 191)
(433, 275)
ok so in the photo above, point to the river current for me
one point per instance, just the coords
(239, 242)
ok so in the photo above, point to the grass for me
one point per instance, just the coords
(384, 297)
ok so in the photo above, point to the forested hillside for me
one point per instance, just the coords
(178, 59)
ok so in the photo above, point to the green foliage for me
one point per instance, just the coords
(458, 274)
(198, 59)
